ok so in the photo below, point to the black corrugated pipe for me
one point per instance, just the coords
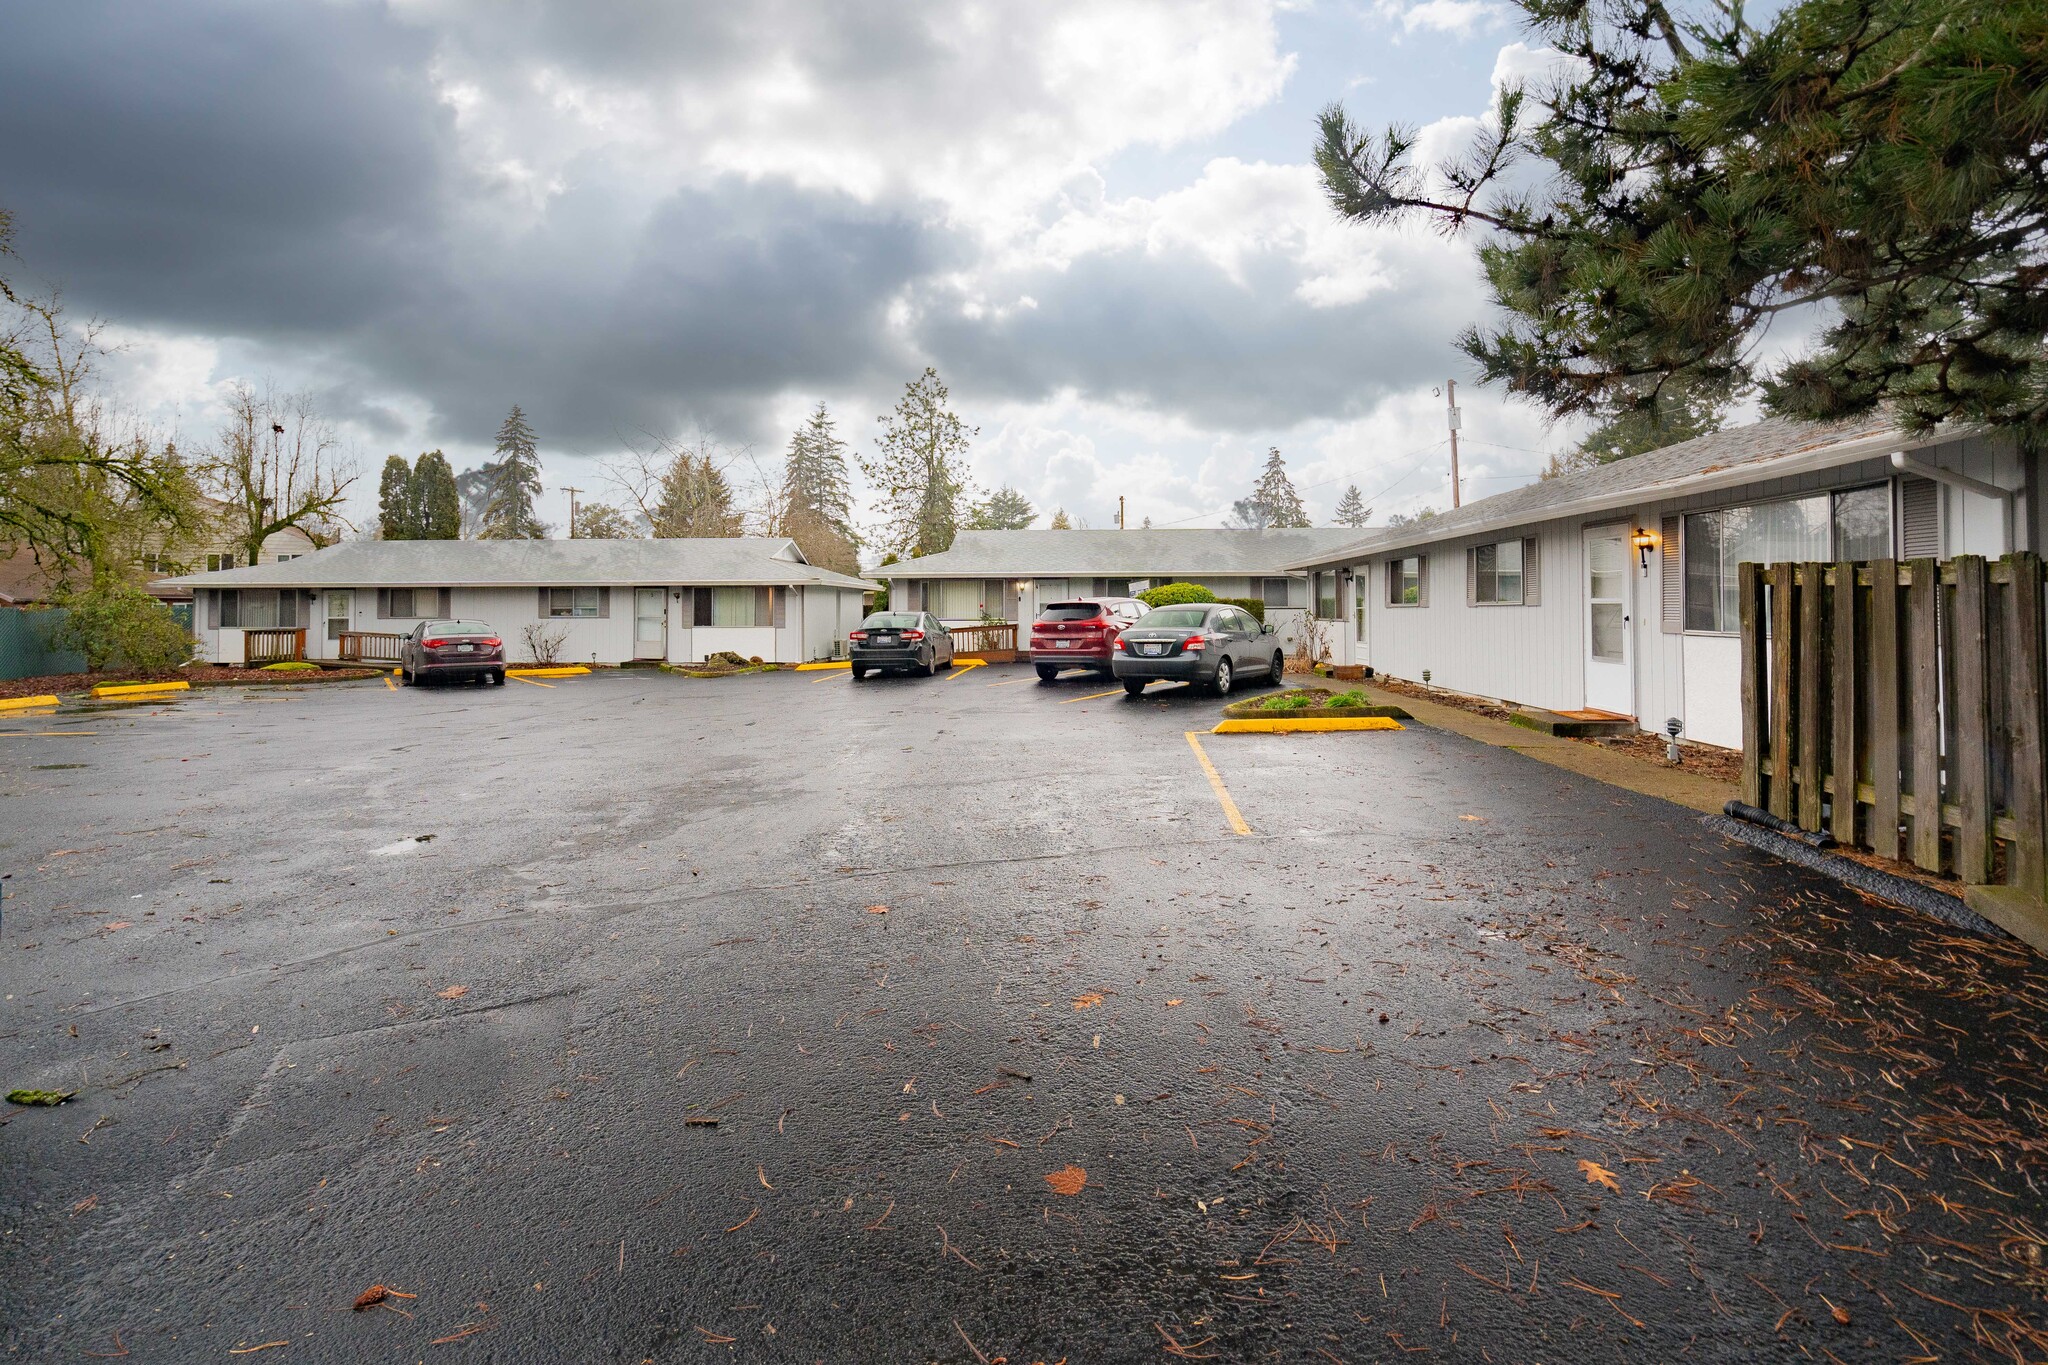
(1811, 838)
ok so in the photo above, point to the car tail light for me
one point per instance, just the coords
(492, 642)
(857, 635)
(913, 635)
(1120, 642)
(432, 644)
(1194, 644)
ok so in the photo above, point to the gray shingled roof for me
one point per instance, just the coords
(1195, 550)
(741, 562)
(1739, 455)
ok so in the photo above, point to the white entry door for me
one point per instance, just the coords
(341, 611)
(650, 623)
(1610, 671)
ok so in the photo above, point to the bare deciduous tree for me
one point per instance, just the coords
(685, 489)
(277, 465)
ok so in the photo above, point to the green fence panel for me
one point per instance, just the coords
(24, 647)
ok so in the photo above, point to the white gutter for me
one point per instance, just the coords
(1705, 481)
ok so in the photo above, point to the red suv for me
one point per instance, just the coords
(1080, 633)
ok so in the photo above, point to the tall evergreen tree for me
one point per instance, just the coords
(1697, 170)
(473, 487)
(436, 506)
(1273, 503)
(921, 468)
(1351, 508)
(693, 499)
(509, 514)
(817, 504)
(396, 517)
(1004, 510)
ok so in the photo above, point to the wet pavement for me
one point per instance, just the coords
(783, 1017)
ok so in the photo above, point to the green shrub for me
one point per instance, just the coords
(291, 666)
(1288, 701)
(116, 625)
(1353, 698)
(1254, 605)
(1175, 594)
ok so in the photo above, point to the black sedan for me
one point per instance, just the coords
(457, 650)
(910, 640)
(1211, 644)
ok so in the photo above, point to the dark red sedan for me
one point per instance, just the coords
(1080, 633)
(457, 650)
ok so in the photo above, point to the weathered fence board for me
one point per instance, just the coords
(1903, 708)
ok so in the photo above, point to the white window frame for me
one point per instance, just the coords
(1687, 539)
(572, 604)
(1397, 577)
(1479, 597)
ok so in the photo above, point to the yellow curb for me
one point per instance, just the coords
(23, 703)
(812, 668)
(136, 689)
(571, 672)
(1285, 727)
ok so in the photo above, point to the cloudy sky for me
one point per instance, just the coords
(1096, 218)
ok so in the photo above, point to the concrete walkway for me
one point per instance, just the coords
(1681, 786)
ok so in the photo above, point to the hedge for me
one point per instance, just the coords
(1254, 605)
(1175, 594)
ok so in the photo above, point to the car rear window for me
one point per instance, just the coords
(457, 628)
(1071, 611)
(891, 620)
(1175, 618)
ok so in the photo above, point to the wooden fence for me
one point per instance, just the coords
(367, 646)
(1899, 707)
(273, 645)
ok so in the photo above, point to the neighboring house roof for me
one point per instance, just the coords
(1197, 550)
(741, 562)
(1769, 449)
(22, 579)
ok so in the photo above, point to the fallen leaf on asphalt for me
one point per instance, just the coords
(1596, 1174)
(85, 1205)
(1068, 1180)
(378, 1293)
(1171, 1003)
(39, 1096)
(878, 909)
(1088, 1001)
(452, 993)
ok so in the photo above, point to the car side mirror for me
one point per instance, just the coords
(1267, 628)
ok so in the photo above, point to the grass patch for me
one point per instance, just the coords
(291, 666)
(39, 1096)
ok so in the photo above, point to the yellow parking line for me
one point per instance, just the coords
(390, 684)
(1092, 696)
(1216, 783)
(530, 682)
(967, 665)
(1011, 683)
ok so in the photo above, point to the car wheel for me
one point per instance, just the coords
(1133, 686)
(1047, 672)
(406, 678)
(498, 678)
(1221, 685)
(1279, 666)
(859, 673)
(931, 667)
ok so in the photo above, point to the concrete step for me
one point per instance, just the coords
(1585, 725)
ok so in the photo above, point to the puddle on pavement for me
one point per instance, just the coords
(56, 767)
(407, 845)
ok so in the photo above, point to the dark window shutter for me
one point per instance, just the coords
(383, 604)
(778, 609)
(1422, 580)
(544, 604)
(1919, 519)
(700, 609)
(1471, 574)
(762, 611)
(604, 604)
(213, 610)
(447, 607)
(1532, 574)
(1671, 574)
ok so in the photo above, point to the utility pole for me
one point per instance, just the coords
(572, 492)
(1451, 391)
(1119, 511)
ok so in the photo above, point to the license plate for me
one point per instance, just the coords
(885, 640)
(1151, 649)
(1062, 644)
(465, 649)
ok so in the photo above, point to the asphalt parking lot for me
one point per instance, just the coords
(782, 1017)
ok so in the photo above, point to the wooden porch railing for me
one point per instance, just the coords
(276, 645)
(984, 639)
(1900, 707)
(368, 646)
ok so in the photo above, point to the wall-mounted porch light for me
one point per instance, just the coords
(1645, 540)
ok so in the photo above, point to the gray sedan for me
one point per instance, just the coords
(1211, 644)
(910, 640)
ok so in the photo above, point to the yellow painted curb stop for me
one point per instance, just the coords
(24, 703)
(1284, 727)
(139, 689)
(833, 663)
(574, 670)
